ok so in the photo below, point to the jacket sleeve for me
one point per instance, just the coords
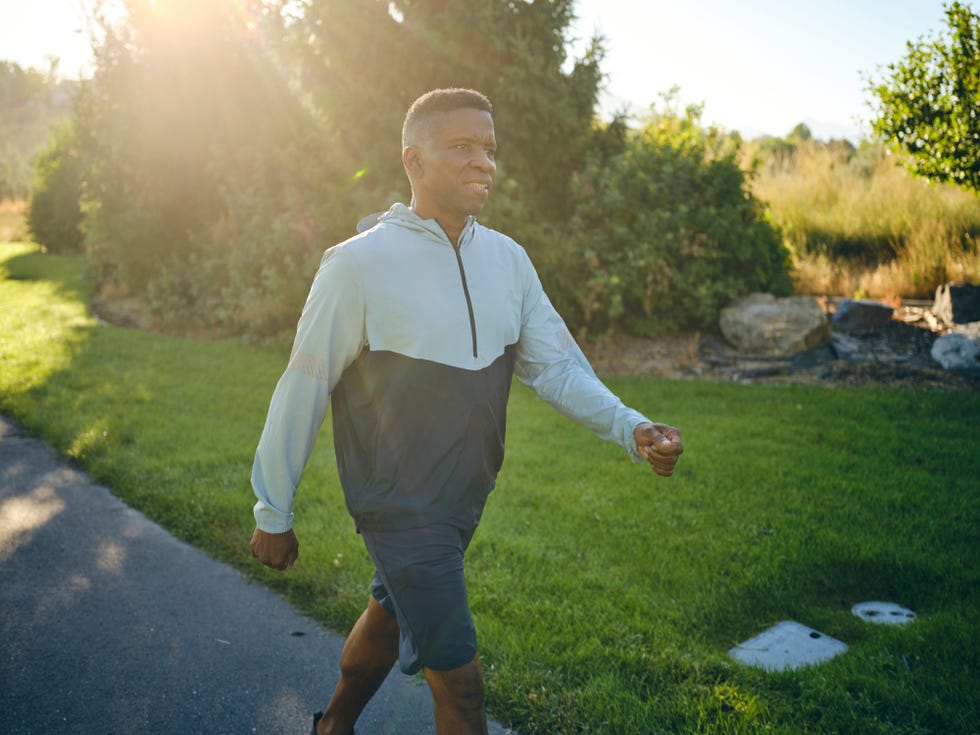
(552, 365)
(329, 336)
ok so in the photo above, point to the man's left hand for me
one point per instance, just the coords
(660, 445)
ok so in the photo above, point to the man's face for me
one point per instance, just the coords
(453, 167)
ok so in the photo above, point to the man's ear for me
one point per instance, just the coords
(412, 160)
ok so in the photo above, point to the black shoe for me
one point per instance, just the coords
(316, 719)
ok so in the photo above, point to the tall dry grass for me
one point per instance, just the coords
(860, 225)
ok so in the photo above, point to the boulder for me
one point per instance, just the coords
(813, 358)
(893, 342)
(856, 315)
(848, 347)
(957, 303)
(761, 324)
(958, 350)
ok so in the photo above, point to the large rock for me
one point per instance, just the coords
(956, 352)
(960, 349)
(894, 342)
(856, 315)
(957, 303)
(847, 347)
(761, 324)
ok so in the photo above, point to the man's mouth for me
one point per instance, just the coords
(478, 186)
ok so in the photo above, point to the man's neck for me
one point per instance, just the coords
(452, 230)
(452, 233)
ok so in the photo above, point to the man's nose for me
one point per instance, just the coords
(485, 163)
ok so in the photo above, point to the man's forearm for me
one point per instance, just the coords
(296, 413)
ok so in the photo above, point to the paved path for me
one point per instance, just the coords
(110, 626)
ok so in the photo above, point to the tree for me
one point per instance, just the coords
(929, 103)
(800, 134)
(666, 233)
(30, 104)
(365, 61)
(54, 216)
(195, 165)
(179, 105)
(225, 143)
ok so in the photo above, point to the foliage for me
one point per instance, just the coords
(225, 145)
(248, 275)
(54, 216)
(20, 87)
(666, 232)
(774, 151)
(515, 52)
(859, 223)
(187, 116)
(927, 104)
(30, 103)
(648, 582)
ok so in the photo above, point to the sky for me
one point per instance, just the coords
(757, 66)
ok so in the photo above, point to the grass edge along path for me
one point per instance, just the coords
(605, 598)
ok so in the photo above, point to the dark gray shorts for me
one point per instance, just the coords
(418, 578)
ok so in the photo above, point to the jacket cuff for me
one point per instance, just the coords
(270, 520)
(630, 440)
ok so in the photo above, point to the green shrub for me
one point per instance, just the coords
(223, 149)
(247, 274)
(31, 103)
(665, 233)
(54, 216)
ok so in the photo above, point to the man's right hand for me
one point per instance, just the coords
(276, 550)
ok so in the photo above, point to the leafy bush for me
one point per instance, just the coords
(222, 150)
(54, 216)
(665, 233)
(31, 102)
(247, 274)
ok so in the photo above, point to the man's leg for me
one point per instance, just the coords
(369, 653)
(420, 572)
(457, 698)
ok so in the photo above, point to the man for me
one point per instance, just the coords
(414, 329)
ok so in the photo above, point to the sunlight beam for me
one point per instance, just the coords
(21, 516)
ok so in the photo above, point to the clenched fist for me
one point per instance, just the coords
(276, 550)
(660, 445)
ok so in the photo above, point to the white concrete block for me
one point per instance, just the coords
(787, 645)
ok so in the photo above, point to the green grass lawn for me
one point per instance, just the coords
(605, 598)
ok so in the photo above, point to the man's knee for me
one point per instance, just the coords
(462, 687)
(372, 643)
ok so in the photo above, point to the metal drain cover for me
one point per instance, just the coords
(884, 613)
(787, 645)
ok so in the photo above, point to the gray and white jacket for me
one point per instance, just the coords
(416, 342)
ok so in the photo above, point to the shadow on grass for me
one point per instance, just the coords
(64, 272)
(820, 590)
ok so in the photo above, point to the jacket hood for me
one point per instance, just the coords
(403, 216)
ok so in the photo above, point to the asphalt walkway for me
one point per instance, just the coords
(109, 625)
